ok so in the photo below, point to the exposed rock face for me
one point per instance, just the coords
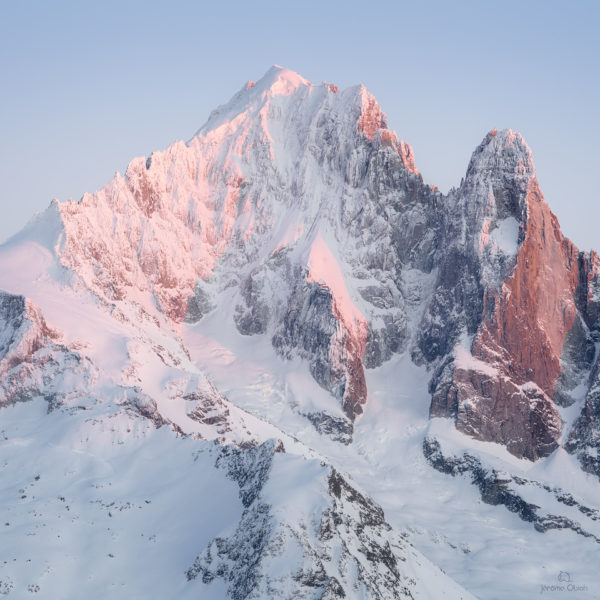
(153, 207)
(528, 320)
(584, 439)
(313, 328)
(577, 360)
(491, 407)
(521, 308)
(198, 304)
(281, 549)
(33, 362)
(336, 428)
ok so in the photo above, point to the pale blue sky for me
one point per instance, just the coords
(86, 86)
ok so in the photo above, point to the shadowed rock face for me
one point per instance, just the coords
(313, 329)
(584, 438)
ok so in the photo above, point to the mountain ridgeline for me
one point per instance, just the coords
(303, 199)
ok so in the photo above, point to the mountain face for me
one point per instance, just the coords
(290, 301)
(531, 306)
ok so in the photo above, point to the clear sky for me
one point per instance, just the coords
(86, 86)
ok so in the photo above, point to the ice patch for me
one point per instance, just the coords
(463, 359)
(506, 235)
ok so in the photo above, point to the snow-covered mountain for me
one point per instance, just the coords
(272, 362)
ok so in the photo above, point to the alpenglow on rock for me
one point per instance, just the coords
(257, 302)
(302, 199)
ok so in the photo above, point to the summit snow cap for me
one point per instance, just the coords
(276, 81)
(503, 151)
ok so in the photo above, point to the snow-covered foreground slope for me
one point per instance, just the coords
(274, 363)
(478, 542)
(92, 506)
(97, 502)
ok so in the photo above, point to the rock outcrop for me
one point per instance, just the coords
(322, 541)
(33, 361)
(523, 314)
(502, 489)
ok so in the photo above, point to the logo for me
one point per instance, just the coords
(565, 583)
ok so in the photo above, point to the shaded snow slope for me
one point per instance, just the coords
(99, 501)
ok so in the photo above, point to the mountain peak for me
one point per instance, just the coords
(283, 96)
(506, 138)
(276, 81)
(502, 151)
(281, 78)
